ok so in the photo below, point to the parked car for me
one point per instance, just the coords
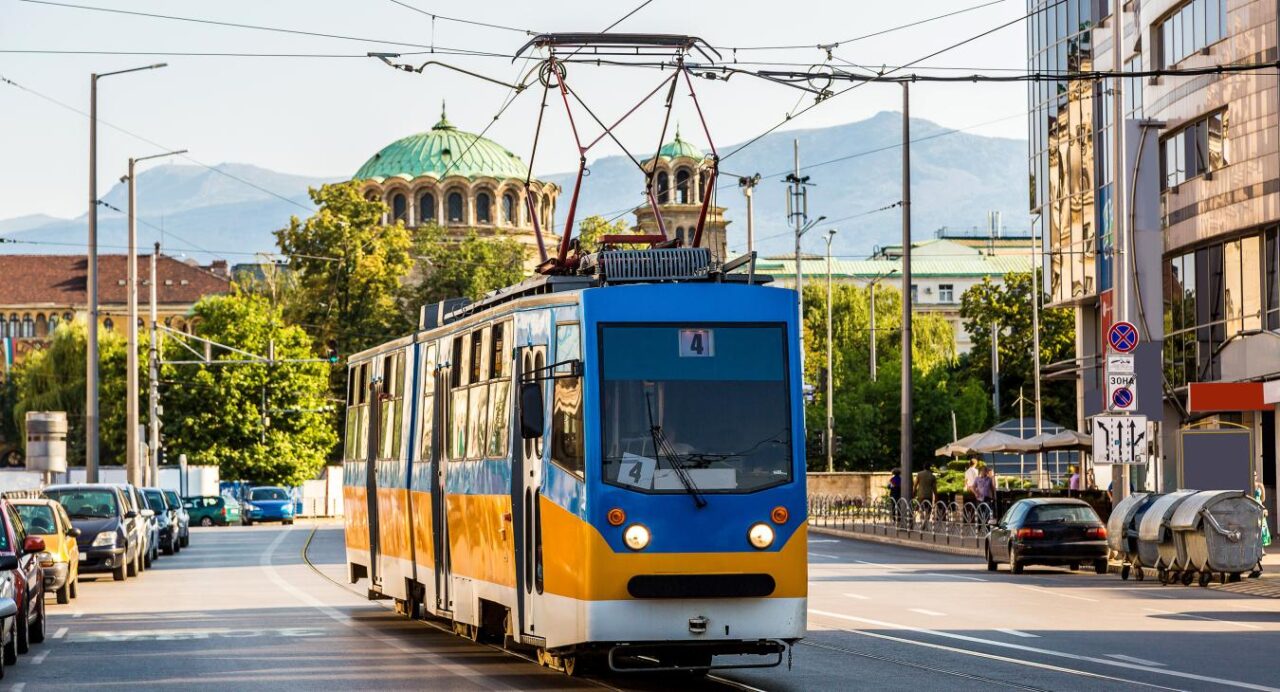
(144, 523)
(210, 510)
(109, 542)
(7, 610)
(19, 555)
(166, 520)
(61, 557)
(184, 519)
(268, 503)
(1048, 531)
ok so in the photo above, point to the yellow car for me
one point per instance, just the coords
(61, 556)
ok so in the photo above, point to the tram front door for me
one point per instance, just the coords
(526, 489)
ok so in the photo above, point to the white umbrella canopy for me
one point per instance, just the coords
(1063, 440)
(988, 442)
(958, 448)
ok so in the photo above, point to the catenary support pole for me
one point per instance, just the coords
(1120, 262)
(831, 424)
(133, 470)
(91, 279)
(907, 413)
(153, 376)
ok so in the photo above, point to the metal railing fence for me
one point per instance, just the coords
(955, 524)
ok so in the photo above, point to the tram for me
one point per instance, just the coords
(605, 466)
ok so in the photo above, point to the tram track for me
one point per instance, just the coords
(603, 684)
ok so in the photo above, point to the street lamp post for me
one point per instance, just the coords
(830, 370)
(748, 184)
(133, 469)
(91, 346)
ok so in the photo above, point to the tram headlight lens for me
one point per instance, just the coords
(761, 536)
(636, 537)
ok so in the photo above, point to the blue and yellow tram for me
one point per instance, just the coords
(604, 466)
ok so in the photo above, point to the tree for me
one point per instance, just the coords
(348, 268)
(262, 423)
(1008, 305)
(593, 228)
(466, 268)
(53, 379)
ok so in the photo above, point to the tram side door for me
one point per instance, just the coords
(371, 478)
(526, 490)
(439, 513)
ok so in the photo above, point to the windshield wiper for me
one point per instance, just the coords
(661, 447)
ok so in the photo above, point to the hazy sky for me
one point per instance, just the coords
(326, 116)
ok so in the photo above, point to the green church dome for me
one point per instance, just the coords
(443, 150)
(678, 148)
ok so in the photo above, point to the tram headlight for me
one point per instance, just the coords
(760, 536)
(636, 537)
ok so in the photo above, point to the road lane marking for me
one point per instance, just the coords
(62, 632)
(833, 557)
(822, 540)
(858, 596)
(1037, 589)
(994, 657)
(947, 576)
(924, 611)
(77, 614)
(1134, 659)
(18, 687)
(1019, 633)
(40, 657)
(1202, 617)
(1046, 652)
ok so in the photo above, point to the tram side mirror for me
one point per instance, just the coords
(531, 417)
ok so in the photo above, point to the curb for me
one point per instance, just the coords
(899, 542)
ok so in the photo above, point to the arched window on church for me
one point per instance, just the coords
(682, 186)
(15, 327)
(680, 234)
(426, 208)
(703, 179)
(53, 323)
(108, 324)
(664, 188)
(42, 326)
(484, 208)
(455, 207)
(399, 207)
(509, 208)
(548, 213)
(68, 317)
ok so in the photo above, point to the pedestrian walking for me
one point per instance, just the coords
(984, 489)
(1260, 495)
(926, 486)
(970, 476)
(1074, 483)
(895, 485)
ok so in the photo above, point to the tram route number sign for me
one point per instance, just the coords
(697, 343)
(1119, 440)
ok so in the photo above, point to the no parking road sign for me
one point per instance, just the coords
(1122, 391)
(1123, 337)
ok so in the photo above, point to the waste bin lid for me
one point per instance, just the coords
(1152, 522)
(1187, 515)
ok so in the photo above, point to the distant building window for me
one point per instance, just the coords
(946, 293)
(484, 208)
(664, 188)
(108, 324)
(399, 208)
(426, 208)
(915, 293)
(509, 208)
(1197, 148)
(455, 207)
(680, 234)
(682, 186)
(53, 324)
(1193, 27)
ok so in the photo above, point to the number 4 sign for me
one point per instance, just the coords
(697, 343)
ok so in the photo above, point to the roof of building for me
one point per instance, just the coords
(444, 150)
(61, 280)
(679, 148)
(977, 266)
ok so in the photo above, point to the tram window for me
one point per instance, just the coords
(477, 357)
(458, 425)
(498, 365)
(566, 425)
(392, 413)
(499, 417)
(457, 367)
(478, 414)
(568, 346)
(428, 391)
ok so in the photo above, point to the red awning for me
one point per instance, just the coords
(1211, 397)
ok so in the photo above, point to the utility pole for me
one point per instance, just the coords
(995, 368)
(1035, 356)
(831, 424)
(748, 184)
(907, 412)
(1120, 288)
(91, 278)
(133, 468)
(873, 329)
(153, 375)
(798, 213)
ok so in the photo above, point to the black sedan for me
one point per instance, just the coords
(1048, 531)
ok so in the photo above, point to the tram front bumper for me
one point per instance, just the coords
(696, 620)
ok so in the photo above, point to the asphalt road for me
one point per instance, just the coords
(242, 609)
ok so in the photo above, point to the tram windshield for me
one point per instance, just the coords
(695, 408)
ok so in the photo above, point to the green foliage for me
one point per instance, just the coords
(215, 414)
(1009, 306)
(592, 228)
(348, 268)
(868, 413)
(466, 268)
(53, 379)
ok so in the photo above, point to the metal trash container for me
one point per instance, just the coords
(1155, 541)
(1218, 532)
(1122, 532)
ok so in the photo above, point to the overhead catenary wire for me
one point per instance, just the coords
(460, 20)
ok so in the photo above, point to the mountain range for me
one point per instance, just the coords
(229, 211)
